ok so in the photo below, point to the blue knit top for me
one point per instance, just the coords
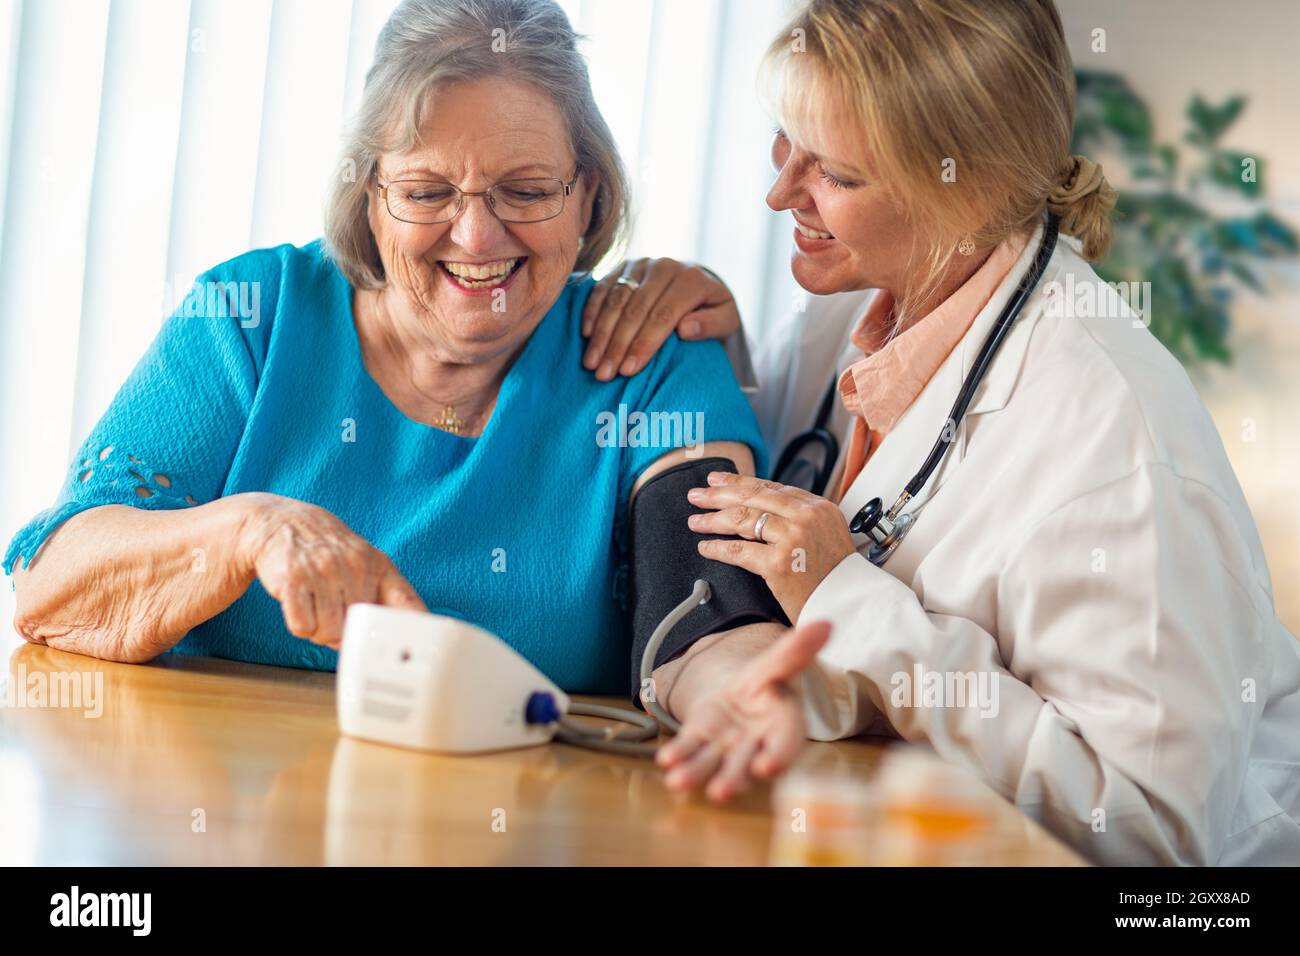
(257, 383)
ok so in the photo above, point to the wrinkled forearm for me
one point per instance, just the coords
(126, 584)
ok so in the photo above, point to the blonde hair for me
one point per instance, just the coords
(431, 43)
(980, 90)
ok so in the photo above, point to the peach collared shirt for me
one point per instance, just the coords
(880, 387)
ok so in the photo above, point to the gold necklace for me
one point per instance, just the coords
(449, 421)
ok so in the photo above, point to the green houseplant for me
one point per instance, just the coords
(1195, 258)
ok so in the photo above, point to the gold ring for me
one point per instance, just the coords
(758, 526)
(631, 283)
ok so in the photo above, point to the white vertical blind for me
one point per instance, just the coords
(143, 141)
(122, 302)
(220, 139)
(672, 134)
(736, 231)
(300, 118)
(54, 126)
(9, 24)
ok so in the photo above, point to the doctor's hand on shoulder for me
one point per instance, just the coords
(632, 311)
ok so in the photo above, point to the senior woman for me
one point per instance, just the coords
(404, 418)
(1082, 611)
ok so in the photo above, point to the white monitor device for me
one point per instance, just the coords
(432, 682)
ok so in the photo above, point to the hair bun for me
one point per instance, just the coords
(1081, 177)
(1083, 199)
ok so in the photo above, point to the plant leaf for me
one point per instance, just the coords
(1276, 236)
(1227, 170)
(1209, 122)
(1246, 275)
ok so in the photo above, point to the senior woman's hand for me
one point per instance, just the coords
(627, 326)
(126, 584)
(741, 715)
(315, 566)
(803, 538)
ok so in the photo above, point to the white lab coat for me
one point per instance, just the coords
(1086, 547)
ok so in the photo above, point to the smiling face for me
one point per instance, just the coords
(477, 285)
(848, 232)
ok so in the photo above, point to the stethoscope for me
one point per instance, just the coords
(888, 528)
(885, 528)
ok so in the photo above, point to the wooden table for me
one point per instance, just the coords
(208, 762)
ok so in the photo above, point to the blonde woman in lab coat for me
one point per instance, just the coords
(1083, 557)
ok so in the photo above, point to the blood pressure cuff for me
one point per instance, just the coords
(666, 564)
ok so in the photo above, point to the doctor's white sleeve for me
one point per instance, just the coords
(1121, 697)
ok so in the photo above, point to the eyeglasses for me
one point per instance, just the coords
(511, 200)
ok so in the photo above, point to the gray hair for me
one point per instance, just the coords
(430, 43)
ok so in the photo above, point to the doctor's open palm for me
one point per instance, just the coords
(747, 725)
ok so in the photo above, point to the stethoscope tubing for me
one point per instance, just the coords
(873, 513)
(1010, 312)
(635, 740)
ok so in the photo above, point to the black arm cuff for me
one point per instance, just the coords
(666, 564)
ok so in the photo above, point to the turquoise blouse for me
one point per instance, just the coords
(257, 383)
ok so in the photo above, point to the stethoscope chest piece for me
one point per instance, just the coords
(888, 528)
(886, 533)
